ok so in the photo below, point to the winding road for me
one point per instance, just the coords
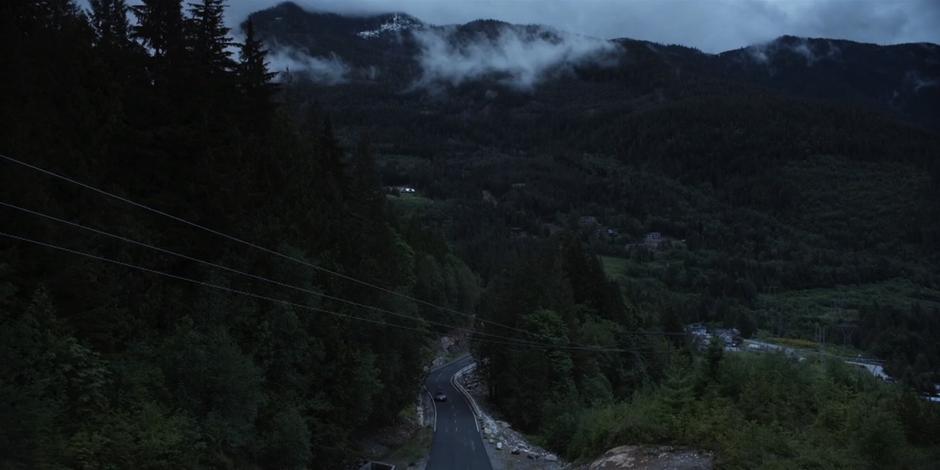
(457, 444)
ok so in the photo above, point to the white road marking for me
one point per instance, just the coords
(434, 405)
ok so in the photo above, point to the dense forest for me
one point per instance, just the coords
(650, 385)
(107, 366)
(203, 265)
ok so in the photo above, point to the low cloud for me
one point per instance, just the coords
(516, 57)
(918, 82)
(329, 70)
(811, 52)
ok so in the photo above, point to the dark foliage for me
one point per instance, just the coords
(104, 366)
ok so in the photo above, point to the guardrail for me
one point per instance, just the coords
(455, 381)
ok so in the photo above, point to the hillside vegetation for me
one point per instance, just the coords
(106, 366)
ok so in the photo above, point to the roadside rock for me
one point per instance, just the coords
(498, 434)
(653, 458)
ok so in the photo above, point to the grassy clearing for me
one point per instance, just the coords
(615, 267)
(842, 303)
(410, 201)
(406, 162)
(796, 343)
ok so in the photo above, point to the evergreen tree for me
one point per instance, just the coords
(331, 162)
(208, 37)
(160, 26)
(254, 78)
(109, 20)
(365, 181)
(48, 14)
(253, 72)
(713, 357)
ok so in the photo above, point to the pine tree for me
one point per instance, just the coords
(48, 14)
(713, 357)
(331, 162)
(160, 26)
(208, 37)
(365, 181)
(254, 79)
(253, 72)
(109, 20)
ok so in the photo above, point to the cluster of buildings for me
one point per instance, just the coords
(702, 336)
(399, 189)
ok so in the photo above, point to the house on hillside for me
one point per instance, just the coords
(588, 221)
(653, 240)
(400, 190)
(702, 335)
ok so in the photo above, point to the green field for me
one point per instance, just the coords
(410, 201)
(843, 302)
(615, 267)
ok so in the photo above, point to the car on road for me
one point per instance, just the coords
(440, 396)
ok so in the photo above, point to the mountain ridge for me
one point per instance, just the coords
(900, 79)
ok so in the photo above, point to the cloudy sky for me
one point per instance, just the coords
(710, 25)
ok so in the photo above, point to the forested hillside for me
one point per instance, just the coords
(795, 186)
(108, 366)
(774, 169)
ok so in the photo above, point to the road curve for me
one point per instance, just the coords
(457, 444)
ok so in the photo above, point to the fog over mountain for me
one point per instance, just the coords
(397, 52)
(711, 26)
(328, 70)
(520, 61)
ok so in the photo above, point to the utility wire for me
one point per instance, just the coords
(257, 277)
(600, 349)
(259, 247)
(197, 282)
(252, 294)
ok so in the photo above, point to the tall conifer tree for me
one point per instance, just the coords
(254, 78)
(109, 19)
(160, 26)
(208, 37)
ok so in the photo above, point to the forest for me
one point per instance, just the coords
(109, 366)
(202, 266)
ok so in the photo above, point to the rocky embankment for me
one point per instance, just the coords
(506, 447)
(652, 458)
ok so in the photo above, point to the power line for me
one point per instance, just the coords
(259, 247)
(259, 296)
(599, 349)
(197, 282)
(257, 277)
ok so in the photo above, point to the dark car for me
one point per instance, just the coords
(440, 396)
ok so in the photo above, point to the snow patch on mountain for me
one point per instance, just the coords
(396, 24)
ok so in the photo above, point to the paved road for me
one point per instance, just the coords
(457, 444)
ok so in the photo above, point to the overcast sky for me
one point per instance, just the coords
(710, 25)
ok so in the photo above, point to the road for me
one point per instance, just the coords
(457, 444)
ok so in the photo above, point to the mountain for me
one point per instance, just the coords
(903, 79)
(399, 53)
